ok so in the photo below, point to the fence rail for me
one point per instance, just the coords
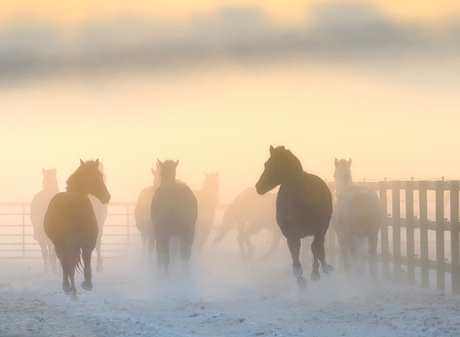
(419, 234)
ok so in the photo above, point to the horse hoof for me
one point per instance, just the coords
(327, 268)
(69, 291)
(302, 282)
(315, 276)
(87, 285)
(297, 272)
(99, 268)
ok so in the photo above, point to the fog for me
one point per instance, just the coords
(217, 89)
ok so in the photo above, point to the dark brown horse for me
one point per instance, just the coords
(207, 200)
(71, 225)
(303, 207)
(174, 212)
(38, 209)
(252, 213)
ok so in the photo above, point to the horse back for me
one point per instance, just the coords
(304, 206)
(358, 210)
(70, 215)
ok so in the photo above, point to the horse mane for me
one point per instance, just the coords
(77, 177)
(288, 160)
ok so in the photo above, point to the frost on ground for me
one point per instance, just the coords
(222, 297)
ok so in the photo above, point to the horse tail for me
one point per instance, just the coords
(228, 221)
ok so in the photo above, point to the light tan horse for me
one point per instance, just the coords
(251, 213)
(208, 200)
(356, 218)
(100, 210)
(38, 208)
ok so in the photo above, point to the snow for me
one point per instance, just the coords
(222, 297)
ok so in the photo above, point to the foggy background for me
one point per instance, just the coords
(215, 88)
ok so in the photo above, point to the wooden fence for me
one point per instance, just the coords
(418, 241)
(419, 234)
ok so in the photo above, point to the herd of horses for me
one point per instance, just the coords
(68, 225)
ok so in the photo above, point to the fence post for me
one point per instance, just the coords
(396, 231)
(440, 264)
(410, 232)
(23, 230)
(454, 236)
(384, 229)
(424, 265)
(127, 229)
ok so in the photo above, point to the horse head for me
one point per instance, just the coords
(281, 165)
(167, 170)
(89, 179)
(342, 174)
(50, 181)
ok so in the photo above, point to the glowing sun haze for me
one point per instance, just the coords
(217, 93)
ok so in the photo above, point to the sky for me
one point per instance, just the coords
(215, 83)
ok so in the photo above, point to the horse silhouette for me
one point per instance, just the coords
(303, 207)
(142, 213)
(207, 200)
(356, 218)
(252, 213)
(100, 211)
(71, 224)
(174, 212)
(38, 208)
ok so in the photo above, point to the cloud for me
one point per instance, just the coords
(335, 31)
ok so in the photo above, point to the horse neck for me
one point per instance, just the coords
(341, 185)
(51, 187)
(168, 180)
(77, 185)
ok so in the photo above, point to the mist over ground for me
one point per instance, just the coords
(222, 296)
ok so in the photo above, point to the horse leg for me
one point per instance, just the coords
(294, 247)
(99, 266)
(52, 256)
(344, 248)
(163, 254)
(68, 273)
(240, 240)
(317, 248)
(276, 239)
(372, 260)
(186, 251)
(87, 284)
(253, 229)
(45, 254)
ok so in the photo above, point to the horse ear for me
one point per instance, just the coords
(43, 171)
(159, 164)
(81, 162)
(336, 162)
(154, 172)
(176, 163)
(54, 170)
(349, 162)
(271, 149)
(97, 161)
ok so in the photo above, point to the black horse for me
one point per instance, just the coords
(174, 212)
(71, 225)
(303, 207)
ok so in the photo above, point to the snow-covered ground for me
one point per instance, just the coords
(221, 297)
